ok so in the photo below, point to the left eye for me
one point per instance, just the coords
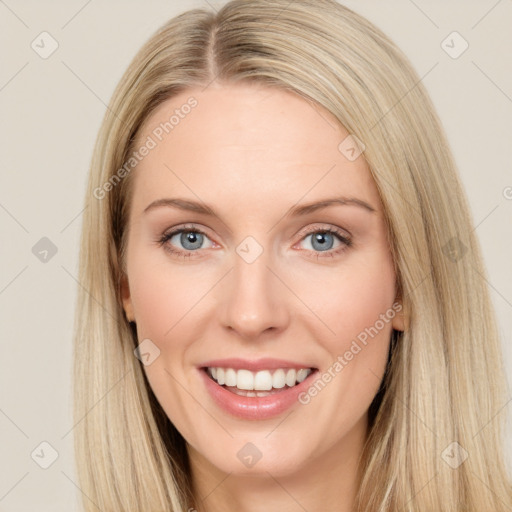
(322, 240)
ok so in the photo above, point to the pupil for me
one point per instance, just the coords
(321, 241)
(191, 240)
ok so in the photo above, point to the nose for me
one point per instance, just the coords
(253, 299)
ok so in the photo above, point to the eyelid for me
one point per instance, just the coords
(325, 227)
(185, 227)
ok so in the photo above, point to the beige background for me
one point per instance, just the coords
(51, 111)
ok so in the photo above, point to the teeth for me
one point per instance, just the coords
(279, 379)
(244, 380)
(291, 377)
(230, 377)
(302, 374)
(263, 380)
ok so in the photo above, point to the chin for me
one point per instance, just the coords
(259, 458)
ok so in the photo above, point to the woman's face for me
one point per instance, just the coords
(228, 268)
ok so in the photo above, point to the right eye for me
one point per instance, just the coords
(184, 241)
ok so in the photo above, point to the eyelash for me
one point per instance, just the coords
(346, 241)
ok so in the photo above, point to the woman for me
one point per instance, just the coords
(282, 299)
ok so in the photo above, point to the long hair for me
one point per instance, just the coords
(436, 432)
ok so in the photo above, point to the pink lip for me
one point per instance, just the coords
(255, 365)
(254, 408)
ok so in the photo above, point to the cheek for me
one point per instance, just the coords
(161, 297)
(363, 326)
(153, 302)
(356, 303)
(352, 298)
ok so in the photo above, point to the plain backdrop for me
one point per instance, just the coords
(51, 109)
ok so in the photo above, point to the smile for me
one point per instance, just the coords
(256, 395)
(245, 382)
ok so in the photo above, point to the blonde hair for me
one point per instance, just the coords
(444, 382)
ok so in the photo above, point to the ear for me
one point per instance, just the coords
(399, 321)
(126, 298)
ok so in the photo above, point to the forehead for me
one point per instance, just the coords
(246, 144)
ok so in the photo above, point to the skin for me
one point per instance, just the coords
(251, 153)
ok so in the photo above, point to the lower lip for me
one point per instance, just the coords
(255, 408)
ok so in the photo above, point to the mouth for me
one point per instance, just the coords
(257, 394)
(262, 383)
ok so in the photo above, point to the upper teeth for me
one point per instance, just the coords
(263, 380)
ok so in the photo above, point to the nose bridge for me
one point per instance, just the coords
(253, 300)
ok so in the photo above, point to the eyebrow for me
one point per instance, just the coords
(304, 209)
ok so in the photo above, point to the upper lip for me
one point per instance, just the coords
(254, 365)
